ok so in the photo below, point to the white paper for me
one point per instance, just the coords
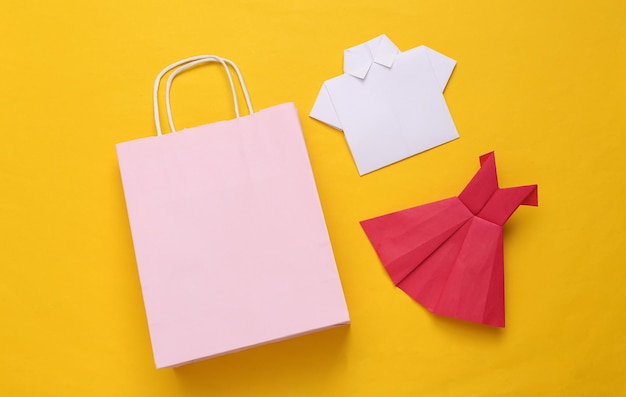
(389, 103)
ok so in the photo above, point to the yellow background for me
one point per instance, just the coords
(543, 83)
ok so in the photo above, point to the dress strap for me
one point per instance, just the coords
(482, 186)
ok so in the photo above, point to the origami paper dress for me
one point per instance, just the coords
(448, 255)
(388, 103)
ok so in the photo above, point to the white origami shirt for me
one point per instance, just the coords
(388, 103)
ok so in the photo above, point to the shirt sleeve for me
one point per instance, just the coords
(324, 110)
(442, 66)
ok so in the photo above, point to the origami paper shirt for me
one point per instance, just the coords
(388, 103)
(448, 255)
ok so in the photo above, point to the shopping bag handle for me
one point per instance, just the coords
(157, 83)
(189, 65)
(183, 65)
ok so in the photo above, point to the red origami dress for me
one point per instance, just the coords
(448, 255)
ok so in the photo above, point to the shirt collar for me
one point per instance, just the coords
(358, 60)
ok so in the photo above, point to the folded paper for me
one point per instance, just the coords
(448, 255)
(388, 103)
(229, 235)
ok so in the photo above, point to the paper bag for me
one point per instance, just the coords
(229, 235)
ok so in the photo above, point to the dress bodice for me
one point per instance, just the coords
(485, 199)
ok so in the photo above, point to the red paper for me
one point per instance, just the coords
(448, 255)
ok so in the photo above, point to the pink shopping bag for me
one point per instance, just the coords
(229, 235)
